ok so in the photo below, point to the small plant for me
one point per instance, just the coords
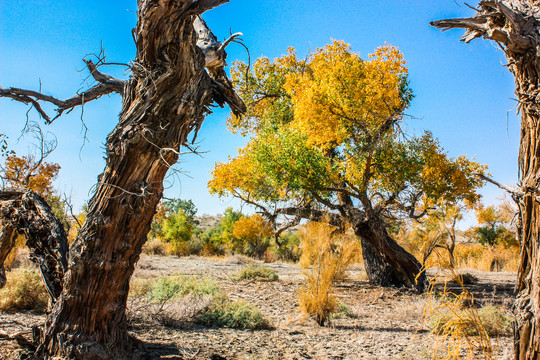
(24, 290)
(232, 314)
(342, 311)
(459, 324)
(256, 273)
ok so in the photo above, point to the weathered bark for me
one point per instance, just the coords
(515, 25)
(165, 99)
(378, 271)
(386, 262)
(25, 212)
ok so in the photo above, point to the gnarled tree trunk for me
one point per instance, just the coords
(385, 261)
(166, 98)
(515, 25)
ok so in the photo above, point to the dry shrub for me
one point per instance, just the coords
(24, 290)
(487, 258)
(459, 324)
(239, 259)
(17, 253)
(325, 256)
(256, 273)
(269, 257)
(156, 247)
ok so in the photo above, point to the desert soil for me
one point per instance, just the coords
(384, 323)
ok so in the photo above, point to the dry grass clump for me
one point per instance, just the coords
(325, 256)
(494, 320)
(24, 290)
(156, 247)
(256, 273)
(460, 325)
(239, 259)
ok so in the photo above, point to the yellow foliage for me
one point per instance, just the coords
(26, 172)
(252, 228)
(342, 91)
(472, 256)
(325, 256)
(487, 258)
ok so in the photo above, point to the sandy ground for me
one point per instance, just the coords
(384, 323)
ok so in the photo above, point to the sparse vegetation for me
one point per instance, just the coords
(24, 290)
(495, 321)
(233, 314)
(256, 273)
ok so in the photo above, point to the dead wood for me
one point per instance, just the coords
(26, 213)
(515, 25)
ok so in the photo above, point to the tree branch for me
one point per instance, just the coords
(200, 6)
(107, 85)
(497, 21)
(512, 191)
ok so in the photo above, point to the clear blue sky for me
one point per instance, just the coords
(464, 94)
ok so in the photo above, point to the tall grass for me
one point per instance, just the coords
(325, 256)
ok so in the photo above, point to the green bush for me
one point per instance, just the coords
(169, 287)
(342, 311)
(24, 290)
(232, 314)
(257, 273)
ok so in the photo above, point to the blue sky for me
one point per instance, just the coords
(464, 94)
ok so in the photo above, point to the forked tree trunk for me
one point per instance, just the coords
(166, 97)
(515, 24)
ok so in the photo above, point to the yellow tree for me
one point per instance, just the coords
(250, 235)
(29, 173)
(326, 143)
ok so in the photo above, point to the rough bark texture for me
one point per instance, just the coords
(165, 99)
(515, 25)
(386, 262)
(25, 212)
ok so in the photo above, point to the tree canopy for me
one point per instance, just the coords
(328, 126)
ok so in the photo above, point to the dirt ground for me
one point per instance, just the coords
(384, 323)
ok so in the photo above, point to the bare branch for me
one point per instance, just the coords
(107, 85)
(512, 191)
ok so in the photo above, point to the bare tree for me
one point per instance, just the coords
(514, 25)
(164, 100)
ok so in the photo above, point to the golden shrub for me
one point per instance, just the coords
(325, 256)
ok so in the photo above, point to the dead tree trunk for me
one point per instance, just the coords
(165, 99)
(26, 213)
(515, 26)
